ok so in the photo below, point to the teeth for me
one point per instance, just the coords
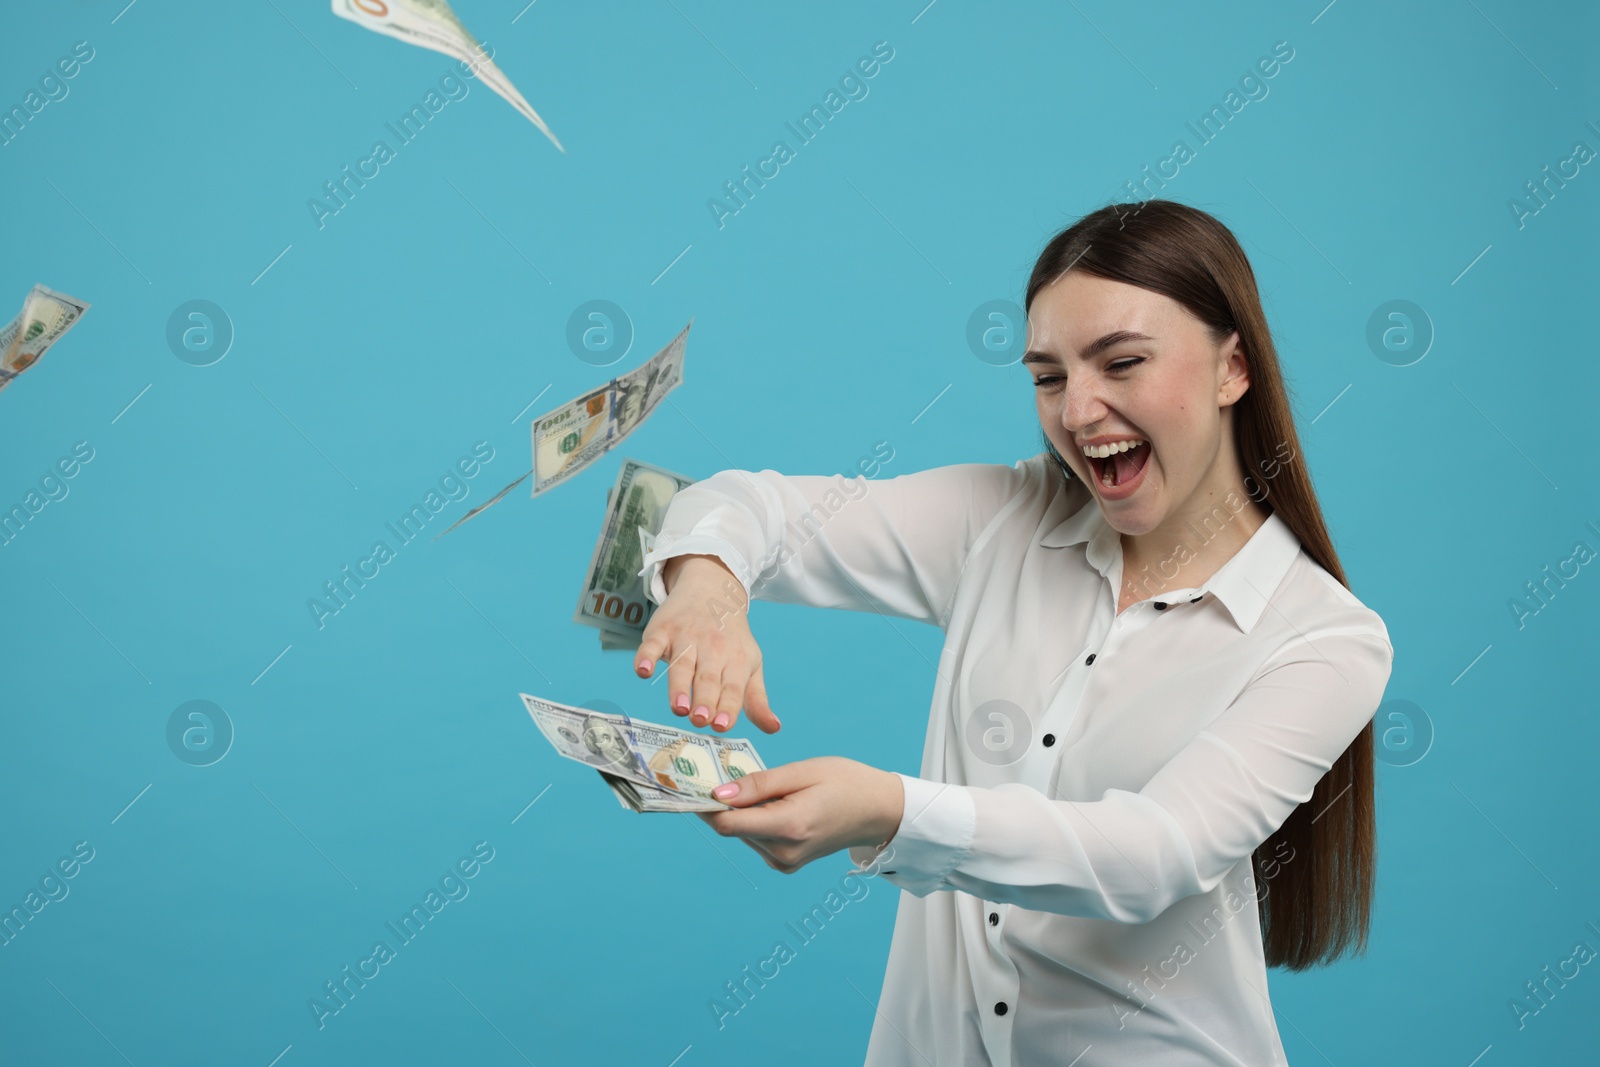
(1102, 451)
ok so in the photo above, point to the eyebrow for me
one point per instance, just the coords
(1094, 348)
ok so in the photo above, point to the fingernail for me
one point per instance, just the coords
(721, 721)
(642, 666)
(775, 723)
(682, 703)
(725, 790)
(701, 714)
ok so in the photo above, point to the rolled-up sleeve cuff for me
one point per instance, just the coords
(934, 836)
(690, 545)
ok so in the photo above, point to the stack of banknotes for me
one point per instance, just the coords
(648, 766)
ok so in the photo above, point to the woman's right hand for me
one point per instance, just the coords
(702, 630)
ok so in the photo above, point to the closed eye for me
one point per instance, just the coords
(1119, 365)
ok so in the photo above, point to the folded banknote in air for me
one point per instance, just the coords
(432, 24)
(45, 316)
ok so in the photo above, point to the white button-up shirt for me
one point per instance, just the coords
(1076, 852)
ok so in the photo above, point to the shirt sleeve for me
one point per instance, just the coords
(891, 545)
(1129, 856)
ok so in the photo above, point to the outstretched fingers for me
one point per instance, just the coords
(756, 706)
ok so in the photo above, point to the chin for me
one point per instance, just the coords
(1130, 525)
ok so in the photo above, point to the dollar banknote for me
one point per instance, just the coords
(637, 797)
(574, 435)
(640, 391)
(483, 506)
(433, 24)
(45, 317)
(568, 439)
(649, 766)
(613, 597)
(628, 639)
(571, 437)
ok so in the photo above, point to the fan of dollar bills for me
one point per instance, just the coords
(650, 767)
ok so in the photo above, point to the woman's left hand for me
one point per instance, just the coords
(803, 811)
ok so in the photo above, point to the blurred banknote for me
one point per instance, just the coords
(613, 597)
(487, 503)
(577, 433)
(46, 316)
(571, 437)
(432, 24)
(649, 766)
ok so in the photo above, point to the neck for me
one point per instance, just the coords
(1190, 546)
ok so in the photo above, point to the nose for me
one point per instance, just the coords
(1082, 404)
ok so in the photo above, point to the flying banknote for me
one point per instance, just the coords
(45, 317)
(432, 24)
(613, 598)
(574, 435)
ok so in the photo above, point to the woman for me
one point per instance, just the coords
(1148, 768)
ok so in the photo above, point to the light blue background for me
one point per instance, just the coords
(827, 315)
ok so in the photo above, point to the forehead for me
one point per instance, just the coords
(1078, 308)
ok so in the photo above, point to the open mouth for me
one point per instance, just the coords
(1120, 468)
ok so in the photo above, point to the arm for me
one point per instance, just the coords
(894, 545)
(1129, 856)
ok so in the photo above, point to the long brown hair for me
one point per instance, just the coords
(1321, 899)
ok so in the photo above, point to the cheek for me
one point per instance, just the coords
(1049, 420)
(1049, 415)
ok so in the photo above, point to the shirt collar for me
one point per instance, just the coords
(1242, 584)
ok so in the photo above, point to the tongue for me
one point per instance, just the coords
(1128, 463)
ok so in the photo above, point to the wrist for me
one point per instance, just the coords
(891, 810)
(696, 568)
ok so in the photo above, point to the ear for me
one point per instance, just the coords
(1234, 371)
